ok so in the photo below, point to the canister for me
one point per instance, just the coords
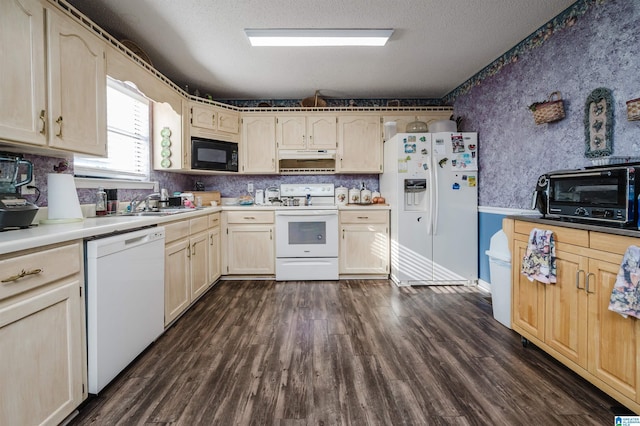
(354, 196)
(365, 196)
(342, 194)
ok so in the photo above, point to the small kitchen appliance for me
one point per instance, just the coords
(607, 195)
(15, 211)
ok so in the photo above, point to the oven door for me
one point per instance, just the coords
(306, 233)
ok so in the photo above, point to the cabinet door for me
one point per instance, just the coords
(23, 109)
(527, 301)
(214, 255)
(359, 144)
(259, 144)
(364, 249)
(177, 275)
(290, 132)
(42, 356)
(199, 254)
(322, 132)
(614, 346)
(203, 117)
(566, 308)
(250, 249)
(228, 122)
(77, 87)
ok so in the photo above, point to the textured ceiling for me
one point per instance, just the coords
(436, 46)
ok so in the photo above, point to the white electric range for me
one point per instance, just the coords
(307, 233)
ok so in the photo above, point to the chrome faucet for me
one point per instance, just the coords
(135, 203)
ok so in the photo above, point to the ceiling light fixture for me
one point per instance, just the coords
(318, 37)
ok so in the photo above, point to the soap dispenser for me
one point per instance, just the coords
(101, 202)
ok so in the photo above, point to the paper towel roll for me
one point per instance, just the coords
(63, 197)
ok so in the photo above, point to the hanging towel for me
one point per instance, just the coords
(539, 262)
(625, 295)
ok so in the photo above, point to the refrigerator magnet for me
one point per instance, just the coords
(456, 186)
(472, 181)
(410, 148)
(457, 144)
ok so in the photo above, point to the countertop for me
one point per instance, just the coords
(42, 235)
(627, 232)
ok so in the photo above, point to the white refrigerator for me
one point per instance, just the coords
(430, 180)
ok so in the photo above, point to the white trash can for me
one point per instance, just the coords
(500, 275)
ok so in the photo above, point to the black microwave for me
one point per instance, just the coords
(210, 154)
(600, 194)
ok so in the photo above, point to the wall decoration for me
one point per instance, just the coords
(548, 111)
(633, 110)
(598, 123)
(166, 147)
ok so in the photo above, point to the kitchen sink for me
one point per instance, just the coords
(163, 212)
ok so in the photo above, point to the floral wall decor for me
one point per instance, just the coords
(598, 123)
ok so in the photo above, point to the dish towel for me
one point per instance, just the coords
(539, 262)
(625, 295)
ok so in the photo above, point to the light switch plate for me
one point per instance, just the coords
(250, 188)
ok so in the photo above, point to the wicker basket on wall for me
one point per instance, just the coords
(548, 111)
(633, 110)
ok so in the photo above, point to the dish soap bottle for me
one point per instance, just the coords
(101, 202)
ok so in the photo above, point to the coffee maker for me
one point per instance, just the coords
(15, 211)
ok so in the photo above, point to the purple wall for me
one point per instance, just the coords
(600, 47)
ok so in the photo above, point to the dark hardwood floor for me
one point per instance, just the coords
(344, 353)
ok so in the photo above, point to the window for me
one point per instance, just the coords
(128, 125)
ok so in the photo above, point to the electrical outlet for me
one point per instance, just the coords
(27, 191)
(250, 188)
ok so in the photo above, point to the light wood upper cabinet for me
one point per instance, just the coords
(313, 132)
(77, 87)
(258, 149)
(23, 111)
(359, 144)
(213, 122)
(47, 55)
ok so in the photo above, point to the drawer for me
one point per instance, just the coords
(364, 216)
(198, 224)
(616, 244)
(577, 237)
(54, 264)
(250, 217)
(176, 230)
(214, 220)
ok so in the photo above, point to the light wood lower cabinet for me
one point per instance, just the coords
(570, 319)
(189, 262)
(364, 242)
(42, 337)
(250, 242)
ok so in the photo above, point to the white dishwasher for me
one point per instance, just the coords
(125, 300)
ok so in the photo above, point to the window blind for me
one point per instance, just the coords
(128, 126)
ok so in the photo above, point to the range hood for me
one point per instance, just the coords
(306, 154)
(293, 161)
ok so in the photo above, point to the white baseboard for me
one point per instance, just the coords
(484, 286)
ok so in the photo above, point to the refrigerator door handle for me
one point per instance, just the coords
(435, 201)
(430, 200)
